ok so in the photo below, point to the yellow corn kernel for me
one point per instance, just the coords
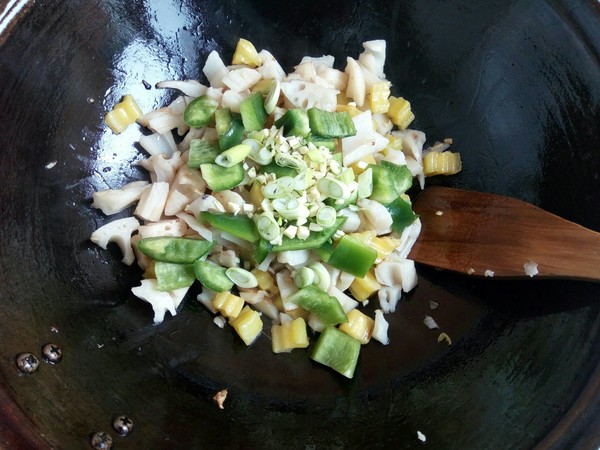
(378, 97)
(359, 326)
(360, 166)
(362, 288)
(256, 195)
(384, 245)
(350, 109)
(289, 336)
(441, 163)
(248, 325)
(400, 113)
(123, 114)
(228, 304)
(245, 53)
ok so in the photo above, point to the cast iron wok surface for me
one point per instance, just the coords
(515, 83)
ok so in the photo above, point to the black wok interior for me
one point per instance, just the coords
(516, 84)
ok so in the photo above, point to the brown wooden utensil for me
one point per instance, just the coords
(474, 232)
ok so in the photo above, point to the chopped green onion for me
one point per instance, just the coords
(289, 161)
(259, 153)
(315, 155)
(365, 184)
(347, 176)
(326, 216)
(280, 187)
(290, 208)
(333, 188)
(322, 278)
(272, 97)
(304, 277)
(233, 156)
(267, 227)
(241, 277)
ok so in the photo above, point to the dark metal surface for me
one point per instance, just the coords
(515, 83)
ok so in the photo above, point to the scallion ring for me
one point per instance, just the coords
(280, 187)
(272, 97)
(322, 278)
(330, 187)
(267, 227)
(259, 153)
(304, 277)
(289, 161)
(326, 216)
(241, 277)
(233, 156)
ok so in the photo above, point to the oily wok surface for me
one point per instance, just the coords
(515, 84)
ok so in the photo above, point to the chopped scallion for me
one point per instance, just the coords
(233, 156)
(267, 227)
(326, 216)
(304, 277)
(241, 277)
(365, 183)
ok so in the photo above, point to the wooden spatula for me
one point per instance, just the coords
(473, 232)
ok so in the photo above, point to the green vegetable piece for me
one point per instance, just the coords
(175, 249)
(253, 112)
(230, 129)
(212, 275)
(324, 251)
(339, 206)
(200, 111)
(337, 350)
(339, 157)
(330, 144)
(320, 303)
(402, 214)
(221, 178)
(315, 239)
(278, 170)
(294, 123)
(400, 175)
(384, 188)
(330, 124)
(202, 152)
(170, 276)
(261, 250)
(352, 256)
(239, 226)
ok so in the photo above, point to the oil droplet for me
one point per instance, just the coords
(27, 363)
(52, 353)
(123, 425)
(101, 441)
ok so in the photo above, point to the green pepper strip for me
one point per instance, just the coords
(402, 214)
(314, 240)
(170, 276)
(337, 350)
(352, 256)
(320, 303)
(175, 249)
(239, 226)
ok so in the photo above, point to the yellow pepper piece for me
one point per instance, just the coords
(384, 245)
(400, 113)
(364, 236)
(395, 143)
(265, 280)
(228, 304)
(256, 195)
(289, 336)
(248, 325)
(378, 97)
(441, 163)
(359, 326)
(245, 53)
(362, 288)
(123, 114)
(350, 109)
(360, 166)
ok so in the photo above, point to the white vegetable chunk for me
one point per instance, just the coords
(352, 222)
(331, 78)
(286, 287)
(118, 231)
(344, 281)
(178, 295)
(112, 201)
(531, 268)
(408, 238)
(380, 329)
(392, 273)
(356, 88)
(232, 99)
(430, 323)
(152, 201)
(305, 95)
(206, 297)
(171, 228)
(325, 60)
(162, 168)
(347, 302)
(205, 203)
(215, 70)
(161, 301)
(192, 88)
(239, 80)
(176, 202)
(373, 57)
(294, 258)
(270, 68)
(193, 223)
(376, 215)
(365, 142)
(389, 296)
(158, 144)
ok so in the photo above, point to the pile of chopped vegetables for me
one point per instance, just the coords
(283, 195)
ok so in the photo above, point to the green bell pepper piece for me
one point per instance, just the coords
(352, 256)
(278, 170)
(402, 214)
(337, 350)
(239, 226)
(230, 129)
(170, 276)
(175, 249)
(253, 112)
(400, 175)
(261, 250)
(199, 112)
(219, 178)
(212, 275)
(294, 123)
(314, 240)
(329, 124)
(320, 303)
(202, 152)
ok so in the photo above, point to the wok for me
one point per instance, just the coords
(514, 83)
